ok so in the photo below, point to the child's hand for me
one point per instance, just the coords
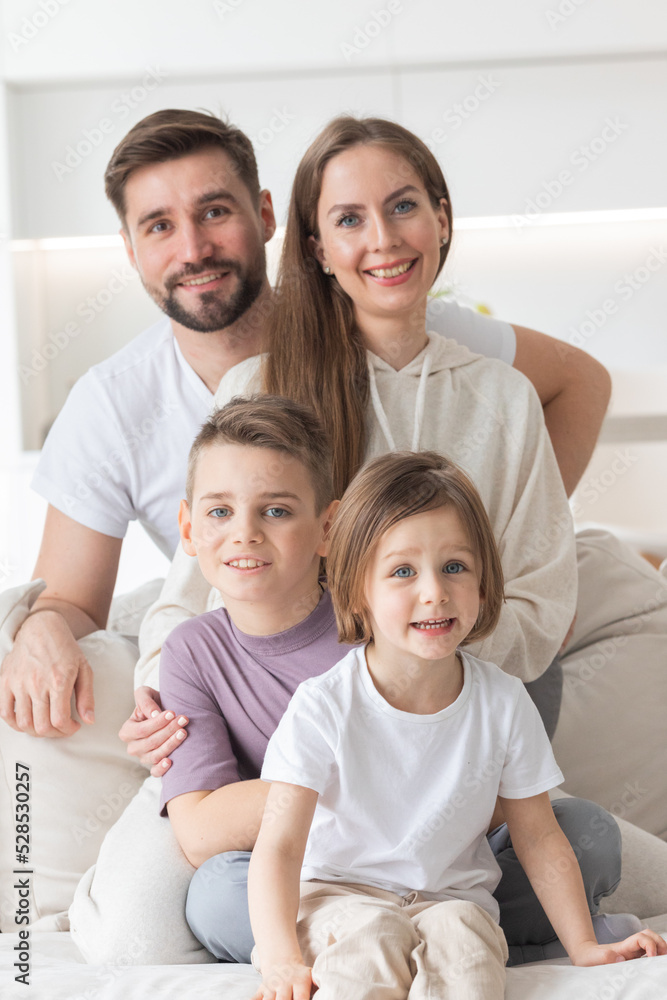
(286, 982)
(643, 943)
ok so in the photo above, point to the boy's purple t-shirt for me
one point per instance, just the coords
(235, 688)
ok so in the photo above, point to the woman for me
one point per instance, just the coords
(369, 230)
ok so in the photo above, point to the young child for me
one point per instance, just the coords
(385, 770)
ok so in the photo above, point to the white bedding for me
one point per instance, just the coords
(58, 973)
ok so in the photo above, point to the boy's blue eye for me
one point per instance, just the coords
(454, 567)
(403, 572)
(220, 512)
(277, 512)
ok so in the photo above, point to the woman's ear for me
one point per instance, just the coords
(316, 249)
(328, 518)
(443, 221)
(185, 528)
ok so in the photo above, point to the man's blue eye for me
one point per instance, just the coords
(403, 572)
(454, 567)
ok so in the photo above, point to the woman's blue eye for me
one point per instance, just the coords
(345, 218)
(403, 572)
(407, 205)
(220, 512)
(454, 567)
(277, 512)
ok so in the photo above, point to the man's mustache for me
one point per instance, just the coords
(204, 267)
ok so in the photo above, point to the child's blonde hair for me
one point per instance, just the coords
(386, 491)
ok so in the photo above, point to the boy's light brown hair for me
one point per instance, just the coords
(386, 491)
(170, 134)
(270, 422)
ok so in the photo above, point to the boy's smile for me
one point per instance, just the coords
(256, 534)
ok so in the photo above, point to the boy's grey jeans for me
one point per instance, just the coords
(217, 905)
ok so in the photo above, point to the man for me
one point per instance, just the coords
(194, 222)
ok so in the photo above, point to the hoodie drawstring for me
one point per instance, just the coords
(419, 406)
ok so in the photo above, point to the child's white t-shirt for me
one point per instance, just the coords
(405, 800)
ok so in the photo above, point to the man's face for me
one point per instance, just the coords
(196, 238)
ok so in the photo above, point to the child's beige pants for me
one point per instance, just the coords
(368, 943)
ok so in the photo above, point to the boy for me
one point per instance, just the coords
(258, 509)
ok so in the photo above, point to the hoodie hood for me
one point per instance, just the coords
(438, 355)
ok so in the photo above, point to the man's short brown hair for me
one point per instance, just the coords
(386, 491)
(171, 134)
(270, 422)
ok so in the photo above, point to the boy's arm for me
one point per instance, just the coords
(207, 823)
(553, 870)
(273, 890)
(574, 390)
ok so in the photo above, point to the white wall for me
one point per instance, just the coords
(508, 94)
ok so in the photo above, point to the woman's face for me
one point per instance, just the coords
(379, 232)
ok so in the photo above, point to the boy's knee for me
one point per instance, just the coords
(595, 838)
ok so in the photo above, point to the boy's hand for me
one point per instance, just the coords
(643, 943)
(151, 734)
(293, 981)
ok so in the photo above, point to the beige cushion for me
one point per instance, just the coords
(79, 785)
(611, 740)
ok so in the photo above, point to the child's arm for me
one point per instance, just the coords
(273, 891)
(212, 822)
(553, 870)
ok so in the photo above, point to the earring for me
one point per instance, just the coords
(444, 240)
(327, 269)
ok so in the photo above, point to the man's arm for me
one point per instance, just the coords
(212, 822)
(37, 678)
(574, 390)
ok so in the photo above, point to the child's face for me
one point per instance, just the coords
(253, 524)
(422, 586)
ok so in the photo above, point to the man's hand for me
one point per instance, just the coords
(38, 676)
(292, 981)
(637, 945)
(151, 734)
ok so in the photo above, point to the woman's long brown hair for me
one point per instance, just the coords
(315, 351)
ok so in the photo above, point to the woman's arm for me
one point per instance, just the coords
(553, 870)
(574, 390)
(273, 891)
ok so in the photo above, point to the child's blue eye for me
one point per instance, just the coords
(220, 512)
(454, 567)
(277, 512)
(403, 572)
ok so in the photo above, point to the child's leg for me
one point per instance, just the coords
(461, 954)
(217, 906)
(596, 841)
(357, 940)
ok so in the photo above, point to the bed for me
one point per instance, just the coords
(58, 973)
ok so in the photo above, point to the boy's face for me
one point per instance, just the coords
(254, 528)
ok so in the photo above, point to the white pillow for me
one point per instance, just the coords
(79, 785)
(611, 739)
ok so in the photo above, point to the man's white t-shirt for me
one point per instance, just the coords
(405, 800)
(118, 450)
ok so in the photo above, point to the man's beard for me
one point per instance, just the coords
(214, 311)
